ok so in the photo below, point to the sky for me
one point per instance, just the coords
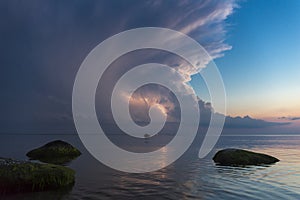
(261, 72)
(255, 45)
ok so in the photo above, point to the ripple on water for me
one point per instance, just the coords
(188, 178)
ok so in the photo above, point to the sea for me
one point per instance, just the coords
(187, 178)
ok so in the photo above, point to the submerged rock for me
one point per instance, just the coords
(24, 176)
(239, 157)
(56, 152)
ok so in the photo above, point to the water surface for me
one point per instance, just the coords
(187, 178)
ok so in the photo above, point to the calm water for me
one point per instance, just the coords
(188, 178)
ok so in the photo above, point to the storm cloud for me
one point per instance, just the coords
(43, 43)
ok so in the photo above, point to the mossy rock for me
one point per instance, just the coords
(56, 152)
(24, 176)
(239, 157)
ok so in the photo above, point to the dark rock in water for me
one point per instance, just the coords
(56, 152)
(24, 176)
(239, 157)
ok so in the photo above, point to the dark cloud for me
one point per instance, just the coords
(289, 118)
(43, 44)
(248, 122)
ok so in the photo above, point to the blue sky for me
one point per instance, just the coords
(262, 70)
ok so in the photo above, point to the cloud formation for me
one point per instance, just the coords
(44, 43)
(289, 118)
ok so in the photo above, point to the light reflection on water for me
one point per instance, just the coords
(188, 178)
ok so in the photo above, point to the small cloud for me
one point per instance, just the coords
(289, 118)
(248, 122)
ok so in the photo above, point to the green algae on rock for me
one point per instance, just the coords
(56, 152)
(239, 157)
(24, 176)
